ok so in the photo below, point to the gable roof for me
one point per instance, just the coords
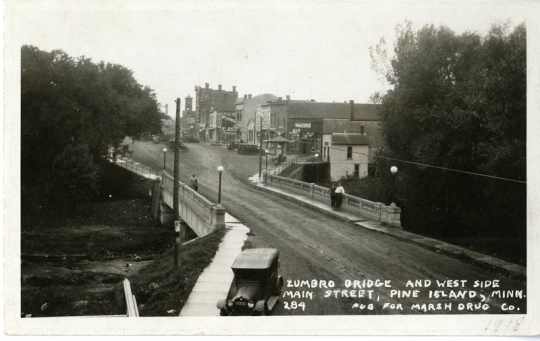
(349, 139)
(300, 109)
(371, 129)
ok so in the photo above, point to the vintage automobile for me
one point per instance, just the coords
(247, 149)
(183, 148)
(257, 285)
(233, 145)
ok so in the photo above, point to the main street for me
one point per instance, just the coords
(318, 248)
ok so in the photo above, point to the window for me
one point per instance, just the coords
(356, 170)
(349, 152)
(362, 130)
(239, 115)
(372, 170)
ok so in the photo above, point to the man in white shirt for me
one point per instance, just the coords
(339, 195)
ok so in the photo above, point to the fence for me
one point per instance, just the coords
(131, 303)
(202, 215)
(137, 168)
(281, 167)
(372, 210)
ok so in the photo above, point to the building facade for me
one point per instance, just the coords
(247, 124)
(207, 102)
(349, 145)
(189, 119)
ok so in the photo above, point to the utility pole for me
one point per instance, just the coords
(179, 225)
(260, 150)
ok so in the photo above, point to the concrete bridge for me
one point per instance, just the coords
(205, 217)
(376, 211)
(200, 214)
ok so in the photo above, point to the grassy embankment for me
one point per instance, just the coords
(73, 265)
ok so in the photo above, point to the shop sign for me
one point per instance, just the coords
(303, 125)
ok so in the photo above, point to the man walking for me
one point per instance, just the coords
(193, 182)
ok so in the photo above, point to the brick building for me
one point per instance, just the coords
(210, 102)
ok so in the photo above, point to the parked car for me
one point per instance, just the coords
(233, 145)
(123, 150)
(257, 285)
(247, 149)
(172, 144)
(190, 139)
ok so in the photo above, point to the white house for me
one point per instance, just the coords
(348, 147)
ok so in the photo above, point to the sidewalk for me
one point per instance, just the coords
(433, 244)
(215, 281)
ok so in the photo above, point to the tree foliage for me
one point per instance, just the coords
(75, 175)
(75, 102)
(457, 102)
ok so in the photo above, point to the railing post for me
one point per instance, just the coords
(311, 189)
(218, 218)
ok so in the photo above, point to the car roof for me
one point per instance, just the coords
(255, 259)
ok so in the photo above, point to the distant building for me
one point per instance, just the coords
(274, 114)
(189, 119)
(247, 123)
(209, 101)
(349, 144)
(305, 121)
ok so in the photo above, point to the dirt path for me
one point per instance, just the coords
(316, 248)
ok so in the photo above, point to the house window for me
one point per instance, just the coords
(239, 115)
(325, 149)
(349, 152)
(356, 170)
(372, 170)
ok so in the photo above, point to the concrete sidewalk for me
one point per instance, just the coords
(433, 244)
(215, 281)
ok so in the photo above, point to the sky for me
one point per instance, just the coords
(308, 49)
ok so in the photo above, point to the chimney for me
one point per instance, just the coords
(206, 85)
(351, 110)
(234, 88)
(245, 96)
(249, 96)
(219, 87)
(288, 98)
(279, 99)
(312, 100)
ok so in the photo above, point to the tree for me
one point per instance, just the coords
(68, 101)
(75, 175)
(457, 102)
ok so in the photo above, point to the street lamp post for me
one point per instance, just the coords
(266, 154)
(394, 170)
(220, 170)
(164, 157)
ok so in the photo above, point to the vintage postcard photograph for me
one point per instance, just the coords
(280, 167)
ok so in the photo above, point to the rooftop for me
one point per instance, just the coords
(363, 112)
(349, 139)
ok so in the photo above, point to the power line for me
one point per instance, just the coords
(431, 166)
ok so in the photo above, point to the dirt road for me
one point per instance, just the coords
(319, 255)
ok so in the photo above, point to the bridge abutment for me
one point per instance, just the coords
(166, 215)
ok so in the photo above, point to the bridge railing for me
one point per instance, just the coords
(202, 215)
(137, 168)
(373, 210)
(281, 167)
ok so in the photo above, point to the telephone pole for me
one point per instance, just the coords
(179, 224)
(260, 150)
